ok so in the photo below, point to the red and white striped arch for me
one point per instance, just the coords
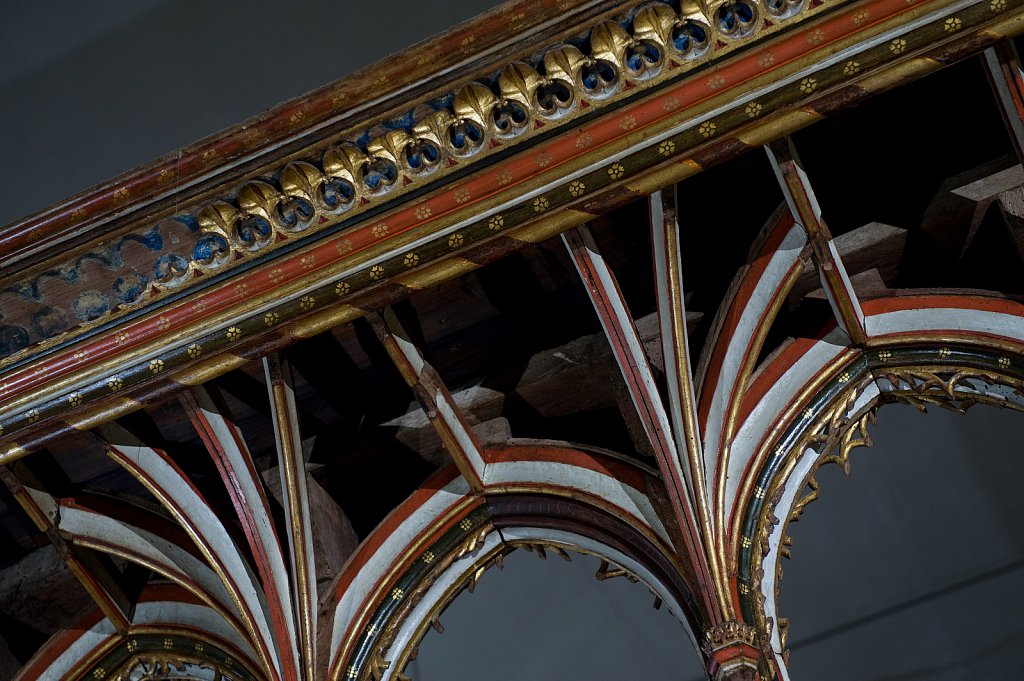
(599, 480)
(783, 386)
(164, 608)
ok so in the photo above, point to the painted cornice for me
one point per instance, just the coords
(264, 256)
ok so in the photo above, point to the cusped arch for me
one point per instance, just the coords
(172, 632)
(442, 539)
(810, 404)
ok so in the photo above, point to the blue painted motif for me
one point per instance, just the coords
(130, 287)
(252, 230)
(12, 339)
(337, 192)
(90, 305)
(169, 266)
(208, 247)
(294, 211)
(379, 173)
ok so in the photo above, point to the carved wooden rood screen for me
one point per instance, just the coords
(207, 364)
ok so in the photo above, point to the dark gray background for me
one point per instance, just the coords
(910, 570)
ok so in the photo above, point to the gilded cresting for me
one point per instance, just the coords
(449, 135)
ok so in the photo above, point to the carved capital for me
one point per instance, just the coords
(733, 652)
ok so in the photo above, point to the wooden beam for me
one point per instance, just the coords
(95, 573)
(679, 376)
(209, 415)
(435, 399)
(874, 247)
(1011, 204)
(618, 325)
(1003, 67)
(296, 497)
(805, 210)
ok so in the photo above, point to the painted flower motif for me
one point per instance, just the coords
(199, 647)
(122, 337)
(156, 366)
(115, 383)
(583, 141)
(496, 223)
(885, 355)
(307, 302)
(342, 288)
(296, 117)
(276, 275)
(808, 85)
(716, 81)
(616, 170)
(898, 46)
(666, 148)
(163, 323)
(411, 260)
(628, 122)
(746, 542)
(808, 413)
(199, 305)
(376, 272)
(168, 643)
(466, 524)
(308, 262)
(32, 415)
(953, 24)
(379, 230)
(707, 129)
(671, 104)
(997, 5)
(945, 352)
(852, 68)
(99, 673)
(75, 399)
(1004, 362)
(344, 246)
(766, 60)
(844, 377)
(428, 557)
(504, 177)
(753, 110)
(233, 333)
(81, 355)
(270, 318)
(133, 645)
(577, 188)
(194, 350)
(121, 195)
(461, 195)
(240, 289)
(396, 594)
(544, 159)
(455, 240)
(352, 672)
(540, 204)
(423, 212)
(861, 17)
